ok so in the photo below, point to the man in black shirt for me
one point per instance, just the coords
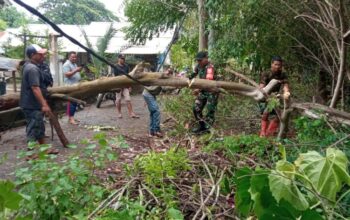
(121, 69)
(269, 126)
(33, 95)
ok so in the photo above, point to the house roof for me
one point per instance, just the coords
(7, 64)
(94, 31)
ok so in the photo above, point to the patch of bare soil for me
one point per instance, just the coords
(91, 119)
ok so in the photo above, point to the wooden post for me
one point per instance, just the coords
(14, 81)
(53, 46)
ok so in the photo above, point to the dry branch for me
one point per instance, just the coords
(318, 111)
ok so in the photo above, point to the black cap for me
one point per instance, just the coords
(121, 56)
(276, 58)
(33, 49)
(201, 55)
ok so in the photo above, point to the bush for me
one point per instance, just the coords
(59, 190)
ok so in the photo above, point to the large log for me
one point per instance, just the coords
(86, 89)
(9, 101)
(317, 111)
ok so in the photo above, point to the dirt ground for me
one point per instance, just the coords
(134, 131)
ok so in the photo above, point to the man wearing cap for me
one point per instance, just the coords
(71, 76)
(270, 120)
(121, 69)
(33, 95)
(204, 70)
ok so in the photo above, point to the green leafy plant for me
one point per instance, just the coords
(58, 190)
(9, 201)
(157, 169)
(295, 190)
(180, 107)
(317, 134)
(273, 103)
(251, 144)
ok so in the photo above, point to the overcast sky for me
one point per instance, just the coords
(112, 5)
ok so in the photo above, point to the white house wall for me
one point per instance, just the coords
(94, 31)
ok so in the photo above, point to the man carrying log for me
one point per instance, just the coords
(33, 95)
(269, 126)
(204, 70)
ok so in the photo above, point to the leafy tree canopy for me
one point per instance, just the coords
(3, 25)
(12, 17)
(76, 12)
(149, 17)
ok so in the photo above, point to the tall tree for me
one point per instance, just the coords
(328, 22)
(150, 17)
(13, 17)
(202, 18)
(76, 11)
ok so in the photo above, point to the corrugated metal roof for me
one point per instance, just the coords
(7, 64)
(94, 31)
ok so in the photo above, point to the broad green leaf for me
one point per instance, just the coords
(175, 214)
(260, 192)
(311, 214)
(72, 146)
(282, 185)
(8, 197)
(91, 146)
(327, 174)
(243, 200)
(103, 142)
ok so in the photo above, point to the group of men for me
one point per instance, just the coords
(205, 70)
(35, 82)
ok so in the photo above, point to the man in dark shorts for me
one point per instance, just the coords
(33, 95)
(270, 120)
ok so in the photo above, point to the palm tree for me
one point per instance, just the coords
(98, 67)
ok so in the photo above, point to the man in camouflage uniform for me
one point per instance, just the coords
(204, 70)
(270, 120)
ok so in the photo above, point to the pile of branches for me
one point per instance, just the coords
(198, 191)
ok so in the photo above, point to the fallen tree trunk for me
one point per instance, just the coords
(91, 88)
(9, 101)
(317, 111)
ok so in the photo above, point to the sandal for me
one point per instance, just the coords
(158, 134)
(134, 116)
(73, 122)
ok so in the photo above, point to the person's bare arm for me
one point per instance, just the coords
(39, 96)
(261, 85)
(286, 92)
(71, 73)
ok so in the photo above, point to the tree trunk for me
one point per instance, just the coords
(342, 49)
(9, 101)
(91, 88)
(341, 74)
(202, 15)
